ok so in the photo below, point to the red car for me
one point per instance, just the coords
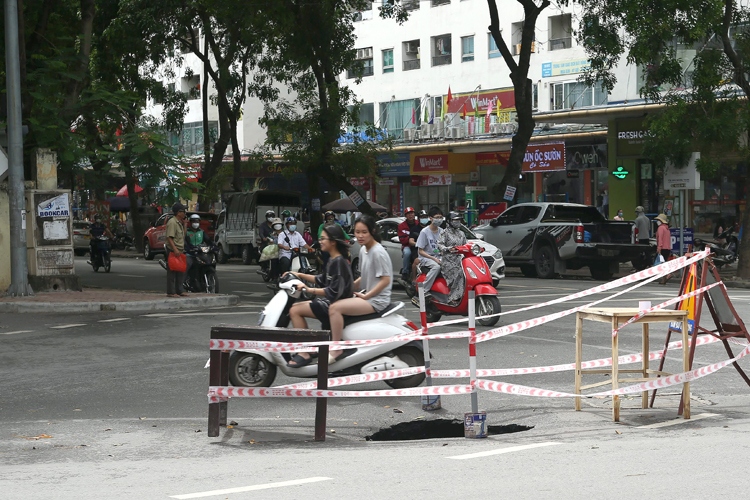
(155, 237)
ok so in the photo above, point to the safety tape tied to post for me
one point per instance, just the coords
(222, 392)
(652, 272)
(268, 346)
(656, 383)
(596, 363)
(360, 378)
(524, 325)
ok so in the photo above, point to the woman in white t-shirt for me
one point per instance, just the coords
(374, 283)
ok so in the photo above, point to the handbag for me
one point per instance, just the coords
(659, 259)
(177, 263)
(269, 252)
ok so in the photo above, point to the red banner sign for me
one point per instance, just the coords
(503, 98)
(432, 180)
(429, 164)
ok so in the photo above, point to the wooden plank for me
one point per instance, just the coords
(579, 355)
(321, 404)
(268, 334)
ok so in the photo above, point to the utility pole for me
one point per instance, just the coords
(19, 276)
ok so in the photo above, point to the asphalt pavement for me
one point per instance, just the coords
(111, 404)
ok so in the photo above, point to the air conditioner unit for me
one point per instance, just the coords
(426, 131)
(439, 128)
(496, 128)
(412, 47)
(409, 134)
(456, 132)
(357, 16)
(509, 128)
(364, 53)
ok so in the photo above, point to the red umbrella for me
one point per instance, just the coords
(124, 190)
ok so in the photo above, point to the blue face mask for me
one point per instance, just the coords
(424, 222)
(292, 228)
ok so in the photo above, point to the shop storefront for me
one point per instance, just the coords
(439, 179)
(393, 175)
(586, 172)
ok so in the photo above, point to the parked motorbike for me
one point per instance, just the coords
(722, 253)
(123, 241)
(478, 278)
(101, 257)
(202, 275)
(251, 368)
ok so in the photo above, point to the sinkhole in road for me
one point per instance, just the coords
(437, 428)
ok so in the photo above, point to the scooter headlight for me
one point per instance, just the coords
(471, 273)
(476, 249)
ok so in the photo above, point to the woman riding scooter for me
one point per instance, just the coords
(334, 284)
(450, 263)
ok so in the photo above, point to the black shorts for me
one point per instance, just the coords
(319, 307)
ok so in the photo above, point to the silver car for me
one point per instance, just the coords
(81, 237)
(389, 234)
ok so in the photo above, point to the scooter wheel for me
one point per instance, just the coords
(413, 357)
(486, 306)
(247, 369)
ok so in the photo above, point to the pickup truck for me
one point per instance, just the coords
(546, 239)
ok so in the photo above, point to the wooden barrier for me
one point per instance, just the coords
(219, 370)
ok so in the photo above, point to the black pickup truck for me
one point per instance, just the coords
(546, 239)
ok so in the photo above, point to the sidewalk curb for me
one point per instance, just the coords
(139, 305)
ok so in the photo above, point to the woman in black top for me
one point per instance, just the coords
(335, 283)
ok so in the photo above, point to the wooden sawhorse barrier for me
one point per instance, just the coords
(219, 370)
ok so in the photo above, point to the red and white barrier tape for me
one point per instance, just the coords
(596, 363)
(359, 379)
(218, 393)
(652, 272)
(531, 323)
(656, 383)
(665, 304)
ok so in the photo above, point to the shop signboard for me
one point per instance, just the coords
(432, 180)
(586, 157)
(566, 67)
(687, 177)
(493, 158)
(393, 165)
(430, 164)
(491, 210)
(386, 182)
(548, 157)
(631, 134)
(468, 102)
(510, 193)
(360, 182)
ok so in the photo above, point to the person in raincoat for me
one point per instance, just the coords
(450, 265)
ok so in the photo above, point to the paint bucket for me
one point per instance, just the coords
(431, 403)
(475, 425)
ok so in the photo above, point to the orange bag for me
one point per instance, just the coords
(177, 263)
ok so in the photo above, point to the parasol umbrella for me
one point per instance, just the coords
(124, 190)
(347, 205)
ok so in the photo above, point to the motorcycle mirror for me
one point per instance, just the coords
(395, 239)
(494, 222)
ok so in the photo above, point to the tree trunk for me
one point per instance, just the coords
(521, 139)
(743, 262)
(313, 185)
(130, 181)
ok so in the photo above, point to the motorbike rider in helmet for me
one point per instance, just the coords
(265, 230)
(290, 241)
(329, 219)
(194, 238)
(96, 229)
(450, 263)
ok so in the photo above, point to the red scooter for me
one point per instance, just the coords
(478, 278)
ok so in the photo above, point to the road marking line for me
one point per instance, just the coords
(502, 451)
(176, 314)
(112, 320)
(130, 275)
(252, 488)
(678, 420)
(60, 327)
(246, 282)
(17, 331)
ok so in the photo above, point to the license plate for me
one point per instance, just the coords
(608, 253)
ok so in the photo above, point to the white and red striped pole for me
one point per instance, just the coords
(429, 403)
(473, 353)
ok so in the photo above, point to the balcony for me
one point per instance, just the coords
(441, 60)
(410, 4)
(436, 3)
(412, 64)
(560, 43)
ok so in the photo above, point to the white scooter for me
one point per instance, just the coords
(251, 368)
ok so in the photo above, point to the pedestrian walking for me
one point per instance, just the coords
(176, 244)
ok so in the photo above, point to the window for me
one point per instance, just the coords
(467, 48)
(364, 15)
(363, 66)
(410, 4)
(494, 51)
(388, 61)
(436, 3)
(510, 216)
(441, 50)
(191, 86)
(535, 96)
(559, 32)
(410, 57)
(574, 95)
(395, 116)
(516, 38)
(190, 141)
